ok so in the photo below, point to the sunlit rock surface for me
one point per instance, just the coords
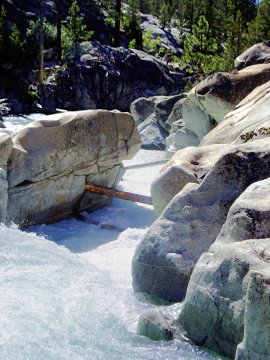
(53, 159)
(256, 54)
(218, 289)
(188, 165)
(188, 226)
(249, 115)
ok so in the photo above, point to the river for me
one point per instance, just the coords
(66, 288)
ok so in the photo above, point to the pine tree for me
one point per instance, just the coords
(235, 43)
(199, 48)
(3, 34)
(76, 31)
(117, 22)
(259, 29)
(59, 29)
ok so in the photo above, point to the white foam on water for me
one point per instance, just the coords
(58, 305)
(66, 288)
(16, 123)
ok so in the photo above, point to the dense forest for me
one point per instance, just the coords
(210, 33)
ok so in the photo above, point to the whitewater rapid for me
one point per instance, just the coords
(66, 288)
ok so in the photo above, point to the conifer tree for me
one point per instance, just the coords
(76, 30)
(117, 23)
(260, 27)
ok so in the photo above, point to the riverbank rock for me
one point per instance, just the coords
(109, 78)
(219, 284)
(53, 159)
(255, 344)
(189, 165)
(154, 325)
(251, 114)
(213, 311)
(219, 93)
(5, 151)
(256, 54)
(248, 217)
(165, 258)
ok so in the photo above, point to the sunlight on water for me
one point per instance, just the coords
(66, 288)
(58, 305)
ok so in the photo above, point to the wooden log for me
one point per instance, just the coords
(103, 190)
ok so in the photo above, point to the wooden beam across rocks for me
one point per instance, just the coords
(103, 190)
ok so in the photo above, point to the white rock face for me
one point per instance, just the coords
(164, 260)
(218, 288)
(53, 159)
(249, 115)
(256, 54)
(5, 148)
(255, 344)
(188, 165)
(213, 311)
(248, 218)
(196, 119)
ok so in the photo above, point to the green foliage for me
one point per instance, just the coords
(32, 93)
(131, 24)
(74, 33)
(259, 28)
(200, 50)
(3, 35)
(32, 37)
(132, 44)
(16, 45)
(236, 40)
(3, 27)
(150, 44)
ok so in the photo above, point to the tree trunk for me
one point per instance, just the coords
(59, 29)
(41, 44)
(103, 190)
(117, 32)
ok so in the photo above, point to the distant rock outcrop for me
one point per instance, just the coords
(109, 78)
(189, 118)
(50, 161)
(257, 54)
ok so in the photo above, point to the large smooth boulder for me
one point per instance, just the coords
(219, 93)
(165, 258)
(142, 108)
(213, 311)
(255, 345)
(180, 139)
(218, 286)
(151, 115)
(195, 118)
(188, 165)
(256, 54)
(251, 114)
(53, 159)
(109, 78)
(248, 218)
